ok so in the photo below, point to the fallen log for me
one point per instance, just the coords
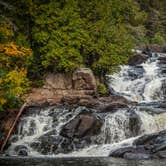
(12, 128)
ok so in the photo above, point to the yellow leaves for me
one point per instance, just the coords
(5, 28)
(2, 101)
(17, 80)
(16, 76)
(17, 91)
(1, 81)
(13, 86)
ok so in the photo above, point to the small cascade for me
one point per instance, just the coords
(116, 128)
(37, 128)
(37, 133)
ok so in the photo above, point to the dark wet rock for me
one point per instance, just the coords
(83, 125)
(111, 91)
(134, 123)
(115, 99)
(137, 59)
(121, 151)
(13, 138)
(21, 150)
(159, 147)
(146, 139)
(161, 154)
(162, 60)
(112, 107)
(138, 156)
(129, 149)
(55, 144)
(163, 71)
(162, 105)
(96, 103)
(145, 147)
(69, 129)
(52, 144)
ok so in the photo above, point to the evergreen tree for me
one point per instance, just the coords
(67, 34)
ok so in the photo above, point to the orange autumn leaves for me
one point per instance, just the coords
(13, 49)
(10, 52)
(13, 73)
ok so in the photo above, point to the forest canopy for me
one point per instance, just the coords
(42, 36)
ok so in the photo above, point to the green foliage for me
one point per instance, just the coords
(58, 34)
(102, 90)
(158, 39)
(155, 22)
(67, 34)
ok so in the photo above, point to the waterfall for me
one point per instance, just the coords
(38, 123)
(38, 132)
(140, 83)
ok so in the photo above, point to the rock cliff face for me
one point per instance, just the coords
(81, 83)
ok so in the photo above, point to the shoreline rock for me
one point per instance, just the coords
(137, 59)
(84, 125)
(148, 146)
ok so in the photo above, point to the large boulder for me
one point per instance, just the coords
(134, 123)
(145, 147)
(112, 107)
(83, 79)
(162, 105)
(21, 150)
(137, 59)
(83, 125)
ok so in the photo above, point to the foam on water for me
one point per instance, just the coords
(145, 88)
(100, 150)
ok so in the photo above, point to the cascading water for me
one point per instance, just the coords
(141, 83)
(38, 132)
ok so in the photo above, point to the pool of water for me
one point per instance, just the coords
(83, 161)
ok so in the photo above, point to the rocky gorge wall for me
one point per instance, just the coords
(57, 87)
